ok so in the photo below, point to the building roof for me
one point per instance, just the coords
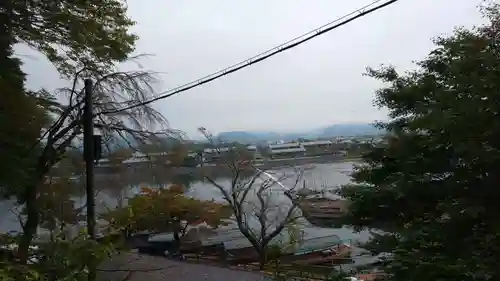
(287, 150)
(309, 244)
(135, 159)
(163, 153)
(220, 149)
(318, 142)
(284, 145)
(138, 154)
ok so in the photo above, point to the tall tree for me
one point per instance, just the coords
(82, 39)
(72, 34)
(111, 91)
(20, 119)
(432, 189)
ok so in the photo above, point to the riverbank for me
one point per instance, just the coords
(214, 169)
(301, 161)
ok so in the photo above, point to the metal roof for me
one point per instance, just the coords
(220, 149)
(137, 160)
(318, 142)
(308, 244)
(287, 150)
(252, 147)
(284, 145)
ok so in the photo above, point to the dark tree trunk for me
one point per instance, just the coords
(32, 214)
(31, 225)
(262, 258)
(12, 79)
(177, 244)
(177, 239)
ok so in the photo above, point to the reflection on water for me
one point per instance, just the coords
(114, 190)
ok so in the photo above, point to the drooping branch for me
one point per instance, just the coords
(66, 127)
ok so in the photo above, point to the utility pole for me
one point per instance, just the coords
(89, 155)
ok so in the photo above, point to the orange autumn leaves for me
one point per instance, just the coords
(158, 209)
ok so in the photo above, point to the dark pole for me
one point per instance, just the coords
(88, 151)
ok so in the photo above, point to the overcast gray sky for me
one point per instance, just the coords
(315, 84)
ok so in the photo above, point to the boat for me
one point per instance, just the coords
(339, 253)
(323, 210)
(315, 250)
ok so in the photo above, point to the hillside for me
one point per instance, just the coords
(349, 130)
(344, 130)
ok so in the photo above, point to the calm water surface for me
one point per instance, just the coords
(321, 177)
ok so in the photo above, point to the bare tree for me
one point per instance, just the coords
(112, 91)
(254, 199)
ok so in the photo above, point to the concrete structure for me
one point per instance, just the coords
(318, 144)
(289, 145)
(213, 155)
(104, 163)
(252, 148)
(258, 159)
(137, 157)
(286, 150)
(318, 147)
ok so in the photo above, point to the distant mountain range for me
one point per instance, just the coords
(339, 130)
(255, 137)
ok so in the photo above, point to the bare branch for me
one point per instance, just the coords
(19, 216)
(110, 89)
(253, 196)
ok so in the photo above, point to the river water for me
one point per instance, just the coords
(321, 176)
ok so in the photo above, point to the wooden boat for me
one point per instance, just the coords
(323, 211)
(340, 252)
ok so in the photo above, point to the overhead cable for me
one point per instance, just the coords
(363, 11)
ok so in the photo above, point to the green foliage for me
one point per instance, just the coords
(433, 188)
(20, 125)
(71, 259)
(81, 38)
(14, 272)
(20, 121)
(286, 242)
(56, 207)
(58, 260)
(160, 210)
(73, 34)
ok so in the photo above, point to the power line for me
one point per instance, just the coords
(253, 60)
(363, 11)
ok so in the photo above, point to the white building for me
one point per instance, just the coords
(137, 157)
(252, 148)
(317, 143)
(289, 145)
(292, 149)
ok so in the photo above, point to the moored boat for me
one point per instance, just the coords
(322, 210)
